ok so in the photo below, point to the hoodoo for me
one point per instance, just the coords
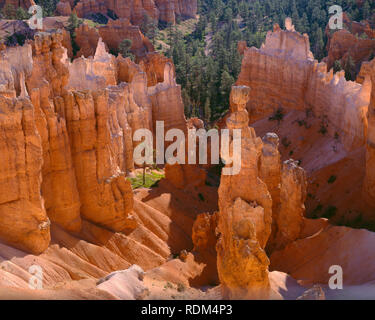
(149, 154)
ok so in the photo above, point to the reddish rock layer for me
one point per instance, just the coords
(112, 34)
(133, 10)
(356, 40)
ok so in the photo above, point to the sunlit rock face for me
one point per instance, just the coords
(245, 216)
(24, 221)
(284, 74)
(261, 209)
(71, 128)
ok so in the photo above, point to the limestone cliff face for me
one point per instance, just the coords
(283, 74)
(133, 10)
(70, 126)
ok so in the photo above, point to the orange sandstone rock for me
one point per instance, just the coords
(283, 74)
(244, 220)
(368, 72)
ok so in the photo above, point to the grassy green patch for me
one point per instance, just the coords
(91, 23)
(151, 180)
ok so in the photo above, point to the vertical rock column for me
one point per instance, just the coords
(46, 86)
(245, 217)
(369, 183)
(290, 218)
(23, 219)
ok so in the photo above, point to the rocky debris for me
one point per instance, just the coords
(125, 284)
(162, 10)
(314, 293)
(284, 75)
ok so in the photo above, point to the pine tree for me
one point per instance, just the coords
(73, 23)
(350, 71)
(9, 12)
(124, 48)
(207, 111)
(366, 10)
(319, 44)
(337, 66)
(21, 14)
(226, 85)
(149, 28)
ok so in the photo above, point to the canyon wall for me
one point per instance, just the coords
(112, 34)
(70, 126)
(133, 10)
(25, 4)
(356, 40)
(284, 75)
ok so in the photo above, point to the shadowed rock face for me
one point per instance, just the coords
(356, 40)
(133, 10)
(25, 4)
